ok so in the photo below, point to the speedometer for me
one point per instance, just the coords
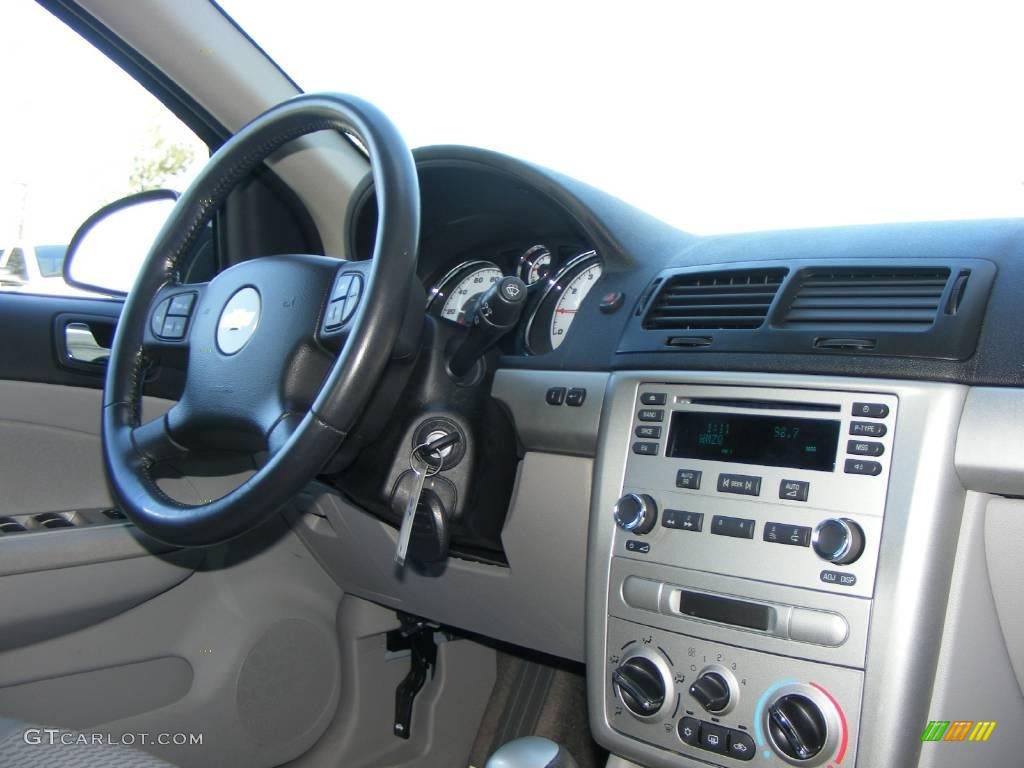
(560, 303)
(455, 294)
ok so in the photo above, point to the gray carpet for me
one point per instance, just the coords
(535, 698)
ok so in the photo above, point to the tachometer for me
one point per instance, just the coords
(455, 293)
(562, 298)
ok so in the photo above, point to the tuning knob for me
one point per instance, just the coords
(838, 540)
(636, 513)
(640, 685)
(797, 727)
(711, 691)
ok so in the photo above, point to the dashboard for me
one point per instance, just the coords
(780, 433)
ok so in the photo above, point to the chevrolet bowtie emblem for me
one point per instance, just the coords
(237, 319)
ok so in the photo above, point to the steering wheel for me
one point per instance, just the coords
(261, 375)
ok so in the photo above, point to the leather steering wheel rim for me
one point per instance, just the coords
(131, 449)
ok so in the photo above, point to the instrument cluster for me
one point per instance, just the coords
(558, 278)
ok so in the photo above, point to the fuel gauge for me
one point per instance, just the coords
(535, 264)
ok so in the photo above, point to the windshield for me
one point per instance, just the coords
(714, 116)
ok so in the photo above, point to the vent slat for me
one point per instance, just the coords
(908, 297)
(715, 300)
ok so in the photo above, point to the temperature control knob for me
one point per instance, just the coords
(797, 727)
(636, 513)
(640, 685)
(711, 691)
(838, 540)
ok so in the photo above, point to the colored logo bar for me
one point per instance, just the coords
(958, 730)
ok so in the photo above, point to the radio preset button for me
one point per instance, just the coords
(864, 448)
(871, 410)
(653, 398)
(794, 490)
(645, 449)
(681, 520)
(746, 485)
(737, 527)
(650, 414)
(784, 533)
(688, 478)
(862, 467)
(867, 429)
(648, 431)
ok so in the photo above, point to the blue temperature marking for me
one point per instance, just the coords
(758, 730)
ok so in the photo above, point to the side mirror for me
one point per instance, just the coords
(107, 251)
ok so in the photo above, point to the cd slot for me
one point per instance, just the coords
(788, 622)
(762, 405)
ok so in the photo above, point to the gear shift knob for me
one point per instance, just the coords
(531, 752)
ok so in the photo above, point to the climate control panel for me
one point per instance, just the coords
(724, 704)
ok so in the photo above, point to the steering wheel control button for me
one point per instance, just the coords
(862, 467)
(794, 490)
(612, 302)
(636, 513)
(181, 304)
(238, 320)
(335, 311)
(864, 448)
(688, 478)
(341, 287)
(681, 520)
(867, 429)
(741, 745)
(555, 396)
(355, 292)
(575, 397)
(736, 527)
(651, 414)
(714, 738)
(838, 540)
(870, 410)
(783, 533)
(689, 731)
(645, 449)
(745, 485)
(157, 324)
(653, 398)
(648, 431)
(174, 327)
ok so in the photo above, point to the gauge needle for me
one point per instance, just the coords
(566, 311)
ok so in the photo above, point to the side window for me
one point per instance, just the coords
(88, 134)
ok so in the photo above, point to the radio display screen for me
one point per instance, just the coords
(774, 441)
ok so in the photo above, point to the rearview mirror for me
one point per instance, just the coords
(107, 251)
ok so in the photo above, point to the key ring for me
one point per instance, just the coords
(428, 466)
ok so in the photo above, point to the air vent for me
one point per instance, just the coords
(897, 298)
(715, 300)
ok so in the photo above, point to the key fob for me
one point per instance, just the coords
(430, 530)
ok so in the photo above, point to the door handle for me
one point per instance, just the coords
(81, 345)
(83, 341)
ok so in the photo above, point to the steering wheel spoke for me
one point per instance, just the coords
(154, 442)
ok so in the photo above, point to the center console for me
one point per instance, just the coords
(736, 540)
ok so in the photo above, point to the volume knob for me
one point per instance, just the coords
(838, 540)
(636, 513)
